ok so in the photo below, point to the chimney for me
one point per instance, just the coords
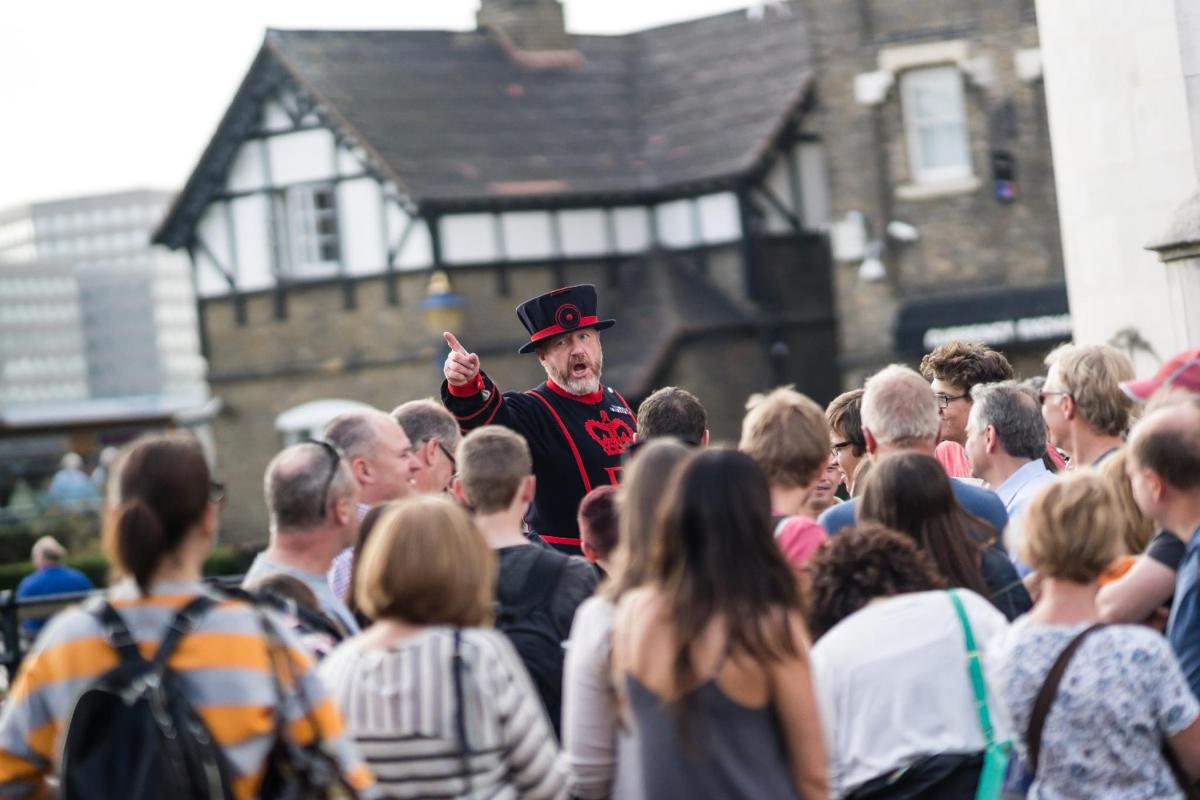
(532, 26)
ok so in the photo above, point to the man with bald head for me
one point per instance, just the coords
(381, 459)
(312, 499)
(1164, 470)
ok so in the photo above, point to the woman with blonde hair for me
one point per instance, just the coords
(1098, 702)
(440, 704)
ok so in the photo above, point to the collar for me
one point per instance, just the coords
(1025, 475)
(589, 399)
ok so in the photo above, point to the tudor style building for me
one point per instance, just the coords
(364, 188)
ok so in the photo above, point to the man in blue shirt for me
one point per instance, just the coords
(51, 577)
(1164, 470)
(900, 415)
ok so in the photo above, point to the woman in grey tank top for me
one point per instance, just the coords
(710, 657)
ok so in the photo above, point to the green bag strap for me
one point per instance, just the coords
(975, 669)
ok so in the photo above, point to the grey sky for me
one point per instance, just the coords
(103, 96)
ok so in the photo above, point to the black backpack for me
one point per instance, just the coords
(133, 734)
(525, 617)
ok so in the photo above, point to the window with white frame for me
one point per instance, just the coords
(312, 230)
(935, 124)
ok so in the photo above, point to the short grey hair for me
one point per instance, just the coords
(1013, 410)
(48, 547)
(899, 408)
(354, 431)
(427, 419)
(293, 483)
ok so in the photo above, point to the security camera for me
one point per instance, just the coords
(902, 231)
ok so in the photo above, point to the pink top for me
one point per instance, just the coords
(953, 459)
(799, 538)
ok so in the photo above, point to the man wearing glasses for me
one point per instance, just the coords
(434, 434)
(953, 370)
(1085, 410)
(312, 499)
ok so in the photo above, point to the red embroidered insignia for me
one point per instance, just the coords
(613, 435)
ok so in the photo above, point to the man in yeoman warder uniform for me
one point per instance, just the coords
(577, 428)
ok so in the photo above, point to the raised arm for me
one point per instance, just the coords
(461, 368)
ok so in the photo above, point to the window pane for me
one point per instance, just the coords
(935, 123)
(943, 146)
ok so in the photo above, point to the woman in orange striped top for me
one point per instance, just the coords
(161, 526)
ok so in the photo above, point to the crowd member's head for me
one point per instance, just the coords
(1085, 410)
(366, 528)
(1072, 529)
(844, 418)
(862, 564)
(671, 411)
(1164, 466)
(312, 501)
(645, 482)
(717, 558)
(1179, 375)
(597, 519)
(162, 506)
(911, 494)
(953, 370)
(785, 433)
(495, 472)
(1136, 528)
(1005, 430)
(573, 360)
(71, 461)
(822, 496)
(426, 565)
(433, 433)
(47, 552)
(899, 412)
(378, 452)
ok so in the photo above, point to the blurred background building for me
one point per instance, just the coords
(98, 333)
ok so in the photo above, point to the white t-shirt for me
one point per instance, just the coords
(892, 685)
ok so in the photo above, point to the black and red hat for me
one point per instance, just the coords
(558, 312)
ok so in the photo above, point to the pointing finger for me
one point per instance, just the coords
(452, 340)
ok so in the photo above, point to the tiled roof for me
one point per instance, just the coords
(455, 120)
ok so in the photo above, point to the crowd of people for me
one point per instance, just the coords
(945, 584)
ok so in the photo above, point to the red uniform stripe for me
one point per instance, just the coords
(561, 540)
(587, 484)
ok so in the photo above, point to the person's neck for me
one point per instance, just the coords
(501, 528)
(386, 633)
(1087, 445)
(1001, 466)
(1183, 516)
(310, 551)
(789, 500)
(1064, 602)
(924, 448)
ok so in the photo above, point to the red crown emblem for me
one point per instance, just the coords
(613, 435)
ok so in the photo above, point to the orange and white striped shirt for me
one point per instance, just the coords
(224, 669)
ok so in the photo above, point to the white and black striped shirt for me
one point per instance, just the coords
(401, 708)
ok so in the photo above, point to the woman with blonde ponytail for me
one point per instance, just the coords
(160, 526)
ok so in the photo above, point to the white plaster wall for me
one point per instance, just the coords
(301, 157)
(252, 233)
(468, 238)
(719, 219)
(633, 229)
(275, 118)
(360, 226)
(247, 173)
(814, 185)
(676, 227)
(418, 250)
(212, 231)
(527, 235)
(583, 232)
(1122, 159)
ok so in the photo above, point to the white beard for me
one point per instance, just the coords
(578, 386)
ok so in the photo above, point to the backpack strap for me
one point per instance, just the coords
(183, 624)
(543, 577)
(974, 670)
(115, 630)
(1045, 697)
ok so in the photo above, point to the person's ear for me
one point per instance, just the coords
(869, 438)
(991, 438)
(456, 485)
(211, 521)
(429, 451)
(1156, 485)
(362, 470)
(704, 438)
(344, 510)
(589, 552)
(528, 489)
(1068, 406)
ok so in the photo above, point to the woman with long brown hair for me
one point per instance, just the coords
(910, 493)
(710, 656)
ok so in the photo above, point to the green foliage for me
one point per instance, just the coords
(76, 530)
(223, 561)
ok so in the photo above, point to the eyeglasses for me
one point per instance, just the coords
(944, 400)
(216, 493)
(840, 446)
(446, 452)
(335, 457)
(1044, 394)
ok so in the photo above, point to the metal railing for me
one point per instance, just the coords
(14, 612)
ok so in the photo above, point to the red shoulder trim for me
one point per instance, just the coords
(590, 399)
